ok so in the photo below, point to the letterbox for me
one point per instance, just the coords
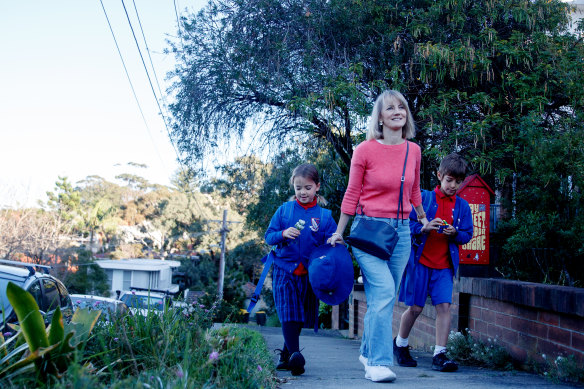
(478, 194)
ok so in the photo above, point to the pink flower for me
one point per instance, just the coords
(214, 356)
(259, 368)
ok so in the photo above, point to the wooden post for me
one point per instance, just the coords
(223, 231)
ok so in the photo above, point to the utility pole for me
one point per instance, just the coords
(223, 231)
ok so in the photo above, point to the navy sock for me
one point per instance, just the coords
(291, 331)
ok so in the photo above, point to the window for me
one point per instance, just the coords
(35, 290)
(153, 282)
(65, 299)
(52, 296)
(110, 276)
(127, 280)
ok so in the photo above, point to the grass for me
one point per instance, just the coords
(174, 349)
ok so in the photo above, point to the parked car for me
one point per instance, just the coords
(107, 305)
(47, 290)
(141, 301)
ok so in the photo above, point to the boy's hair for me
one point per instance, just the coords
(453, 165)
(374, 131)
(306, 170)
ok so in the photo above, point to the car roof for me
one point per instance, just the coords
(143, 293)
(95, 298)
(16, 272)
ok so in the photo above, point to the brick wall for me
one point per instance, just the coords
(528, 319)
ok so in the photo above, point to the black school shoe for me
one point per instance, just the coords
(402, 354)
(283, 360)
(296, 363)
(440, 362)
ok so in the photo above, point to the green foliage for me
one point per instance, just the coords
(173, 349)
(65, 199)
(497, 81)
(89, 278)
(562, 369)
(467, 350)
(324, 315)
(49, 351)
(246, 258)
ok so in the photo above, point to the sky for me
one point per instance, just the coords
(66, 105)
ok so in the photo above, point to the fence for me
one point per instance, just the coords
(528, 319)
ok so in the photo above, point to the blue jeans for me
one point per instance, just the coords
(381, 280)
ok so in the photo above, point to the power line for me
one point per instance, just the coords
(153, 91)
(130, 81)
(147, 50)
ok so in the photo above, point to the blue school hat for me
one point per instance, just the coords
(330, 272)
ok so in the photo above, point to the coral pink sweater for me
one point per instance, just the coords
(374, 179)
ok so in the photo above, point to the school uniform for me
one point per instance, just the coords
(434, 257)
(293, 295)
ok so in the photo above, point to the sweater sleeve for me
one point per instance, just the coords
(416, 197)
(273, 234)
(353, 192)
(465, 224)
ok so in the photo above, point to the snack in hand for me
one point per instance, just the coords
(299, 225)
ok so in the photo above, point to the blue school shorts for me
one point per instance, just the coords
(437, 283)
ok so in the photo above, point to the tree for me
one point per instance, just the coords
(65, 201)
(240, 180)
(498, 81)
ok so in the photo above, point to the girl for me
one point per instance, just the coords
(374, 188)
(297, 228)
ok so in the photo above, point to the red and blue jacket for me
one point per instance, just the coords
(462, 221)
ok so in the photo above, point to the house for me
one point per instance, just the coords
(125, 274)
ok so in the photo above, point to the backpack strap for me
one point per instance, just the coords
(287, 211)
(267, 260)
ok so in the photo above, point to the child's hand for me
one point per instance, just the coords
(335, 238)
(291, 233)
(450, 231)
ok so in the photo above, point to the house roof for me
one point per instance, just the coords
(474, 181)
(137, 264)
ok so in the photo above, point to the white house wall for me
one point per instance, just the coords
(140, 279)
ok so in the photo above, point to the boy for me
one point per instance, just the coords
(434, 260)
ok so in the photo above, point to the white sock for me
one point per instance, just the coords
(401, 342)
(439, 349)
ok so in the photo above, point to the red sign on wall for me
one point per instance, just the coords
(478, 194)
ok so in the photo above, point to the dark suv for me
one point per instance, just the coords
(48, 291)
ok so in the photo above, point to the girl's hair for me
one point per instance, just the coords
(375, 131)
(306, 170)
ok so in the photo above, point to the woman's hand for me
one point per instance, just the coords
(433, 225)
(335, 238)
(291, 233)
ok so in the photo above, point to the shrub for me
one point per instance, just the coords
(561, 369)
(467, 350)
(172, 349)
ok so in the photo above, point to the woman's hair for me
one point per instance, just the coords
(374, 131)
(306, 170)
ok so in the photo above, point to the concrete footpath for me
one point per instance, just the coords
(332, 362)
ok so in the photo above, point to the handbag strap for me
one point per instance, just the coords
(401, 188)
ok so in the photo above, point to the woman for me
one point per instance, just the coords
(373, 190)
